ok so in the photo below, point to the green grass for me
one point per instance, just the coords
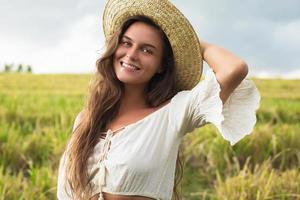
(37, 113)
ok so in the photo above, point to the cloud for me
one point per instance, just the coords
(76, 52)
(264, 33)
(52, 36)
(44, 22)
(64, 36)
(287, 75)
(288, 34)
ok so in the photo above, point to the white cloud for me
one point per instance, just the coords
(64, 36)
(288, 75)
(288, 34)
(76, 52)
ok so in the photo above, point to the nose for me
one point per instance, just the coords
(132, 53)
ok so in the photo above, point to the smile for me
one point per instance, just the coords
(129, 66)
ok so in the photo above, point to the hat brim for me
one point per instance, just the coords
(183, 39)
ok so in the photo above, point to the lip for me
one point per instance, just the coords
(128, 63)
(129, 70)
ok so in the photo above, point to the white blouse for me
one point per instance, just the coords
(141, 158)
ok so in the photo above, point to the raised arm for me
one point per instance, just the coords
(229, 69)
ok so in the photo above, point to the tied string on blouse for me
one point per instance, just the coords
(99, 173)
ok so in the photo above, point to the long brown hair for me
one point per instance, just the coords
(103, 103)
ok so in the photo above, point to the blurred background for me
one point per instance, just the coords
(48, 51)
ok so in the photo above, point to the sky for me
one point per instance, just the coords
(65, 36)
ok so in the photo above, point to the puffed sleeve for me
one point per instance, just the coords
(63, 190)
(201, 105)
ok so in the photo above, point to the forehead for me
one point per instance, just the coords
(143, 33)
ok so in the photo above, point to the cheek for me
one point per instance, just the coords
(155, 64)
(118, 53)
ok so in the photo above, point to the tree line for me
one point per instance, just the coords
(20, 68)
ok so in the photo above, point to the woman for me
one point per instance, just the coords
(146, 96)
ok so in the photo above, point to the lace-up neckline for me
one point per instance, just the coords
(100, 171)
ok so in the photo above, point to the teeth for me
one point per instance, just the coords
(129, 66)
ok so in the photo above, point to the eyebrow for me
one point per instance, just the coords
(145, 44)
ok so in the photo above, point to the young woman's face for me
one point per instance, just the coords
(139, 54)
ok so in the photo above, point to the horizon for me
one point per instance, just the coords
(262, 75)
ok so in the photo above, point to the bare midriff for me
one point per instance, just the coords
(108, 196)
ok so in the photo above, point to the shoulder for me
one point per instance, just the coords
(164, 104)
(78, 119)
(79, 116)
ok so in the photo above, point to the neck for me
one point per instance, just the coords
(134, 98)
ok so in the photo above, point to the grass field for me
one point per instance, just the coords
(37, 113)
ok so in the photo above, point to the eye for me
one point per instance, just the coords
(147, 51)
(125, 43)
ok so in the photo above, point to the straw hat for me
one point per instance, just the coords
(183, 39)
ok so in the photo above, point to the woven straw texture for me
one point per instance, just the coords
(183, 38)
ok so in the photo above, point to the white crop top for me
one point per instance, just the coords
(141, 158)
